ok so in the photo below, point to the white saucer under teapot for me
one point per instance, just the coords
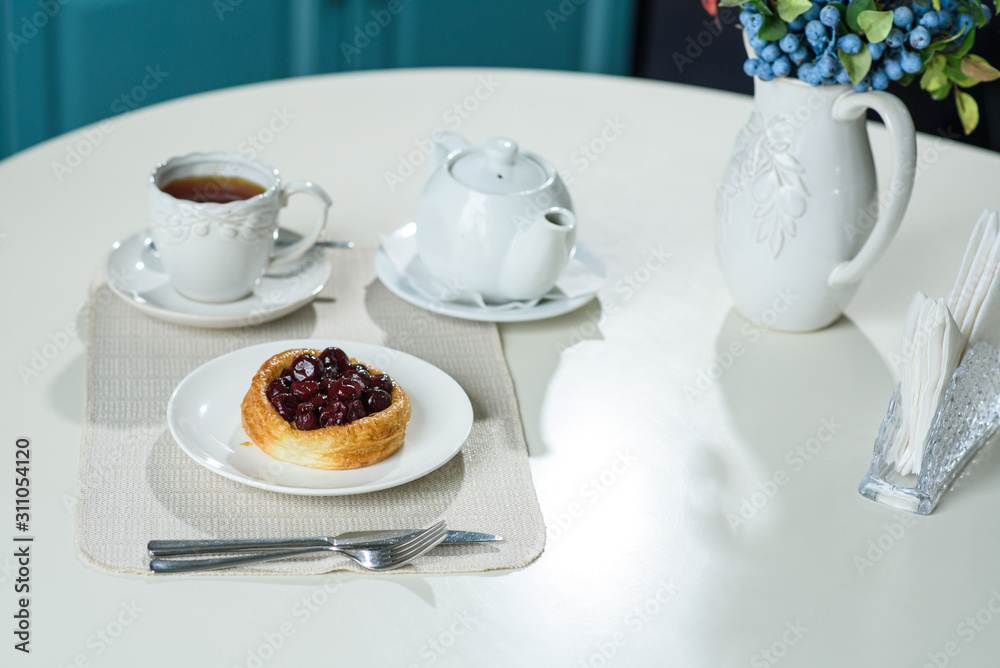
(494, 219)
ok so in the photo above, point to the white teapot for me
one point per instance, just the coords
(494, 219)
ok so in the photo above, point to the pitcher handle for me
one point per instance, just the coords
(851, 106)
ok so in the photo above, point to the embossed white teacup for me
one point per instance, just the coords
(216, 251)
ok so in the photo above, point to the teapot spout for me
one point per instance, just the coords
(538, 254)
(444, 144)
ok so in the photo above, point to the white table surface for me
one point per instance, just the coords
(622, 455)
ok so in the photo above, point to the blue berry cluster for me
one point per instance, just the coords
(816, 43)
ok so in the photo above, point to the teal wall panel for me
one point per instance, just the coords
(608, 36)
(68, 63)
(515, 33)
(116, 55)
(29, 94)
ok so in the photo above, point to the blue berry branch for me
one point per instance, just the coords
(868, 43)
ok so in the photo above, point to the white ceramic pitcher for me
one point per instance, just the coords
(798, 222)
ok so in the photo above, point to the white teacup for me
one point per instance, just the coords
(216, 251)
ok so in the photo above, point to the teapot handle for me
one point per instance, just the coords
(851, 106)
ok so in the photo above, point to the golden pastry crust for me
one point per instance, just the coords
(359, 443)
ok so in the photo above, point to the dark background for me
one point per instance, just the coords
(664, 28)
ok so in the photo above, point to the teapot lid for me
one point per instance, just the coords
(499, 168)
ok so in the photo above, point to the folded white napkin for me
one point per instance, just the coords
(974, 300)
(576, 280)
(936, 336)
(932, 348)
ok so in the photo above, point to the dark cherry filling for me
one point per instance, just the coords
(305, 389)
(347, 389)
(278, 386)
(377, 400)
(306, 367)
(326, 391)
(381, 382)
(285, 404)
(355, 411)
(333, 414)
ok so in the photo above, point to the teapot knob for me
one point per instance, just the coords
(501, 151)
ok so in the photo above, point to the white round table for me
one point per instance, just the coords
(702, 503)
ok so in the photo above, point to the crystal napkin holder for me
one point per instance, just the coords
(968, 415)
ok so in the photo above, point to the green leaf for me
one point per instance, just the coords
(977, 13)
(966, 45)
(934, 77)
(941, 93)
(958, 77)
(968, 110)
(937, 5)
(763, 7)
(977, 68)
(941, 43)
(789, 10)
(760, 5)
(855, 10)
(772, 29)
(876, 25)
(857, 64)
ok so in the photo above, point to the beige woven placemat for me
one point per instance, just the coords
(136, 483)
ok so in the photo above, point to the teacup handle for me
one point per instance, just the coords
(851, 106)
(299, 248)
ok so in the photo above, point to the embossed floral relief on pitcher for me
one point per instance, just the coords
(795, 207)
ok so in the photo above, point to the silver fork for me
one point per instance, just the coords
(382, 559)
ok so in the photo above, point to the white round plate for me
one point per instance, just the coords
(203, 415)
(136, 275)
(400, 286)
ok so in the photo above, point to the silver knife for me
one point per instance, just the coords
(167, 548)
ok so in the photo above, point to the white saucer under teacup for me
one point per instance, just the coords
(399, 267)
(134, 273)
